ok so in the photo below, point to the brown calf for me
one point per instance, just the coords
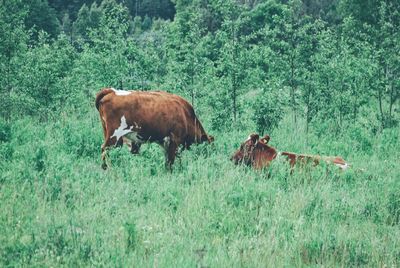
(257, 153)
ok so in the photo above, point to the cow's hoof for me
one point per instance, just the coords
(104, 166)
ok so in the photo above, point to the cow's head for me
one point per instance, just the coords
(207, 138)
(265, 139)
(245, 154)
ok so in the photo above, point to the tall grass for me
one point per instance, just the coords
(59, 208)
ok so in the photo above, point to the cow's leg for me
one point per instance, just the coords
(171, 146)
(104, 145)
(292, 164)
(103, 157)
(109, 142)
(104, 148)
(171, 155)
(110, 139)
(135, 147)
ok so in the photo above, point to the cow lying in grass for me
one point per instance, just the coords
(257, 153)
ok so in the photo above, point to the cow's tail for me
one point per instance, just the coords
(100, 95)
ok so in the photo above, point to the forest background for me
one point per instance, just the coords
(319, 76)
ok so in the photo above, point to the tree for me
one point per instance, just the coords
(232, 58)
(66, 26)
(312, 35)
(153, 8)
(41, 17)
(115, 16)
(39, 84)
(185, 49)
(83, 22)
(268, 108)
(111, 57)
(388, 56)
(13, 45)
(87, 19)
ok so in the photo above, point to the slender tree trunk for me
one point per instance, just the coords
(354, 96)
(381, 106)
(341, 112)
(354, 114)
(192, 82)
(234, 98)
(393, 97)
(71, 33)
(293, 89)
(8, 86)
(234, 78)
(308, 115)
(340, 115)
(382, 76)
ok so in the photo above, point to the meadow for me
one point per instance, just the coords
(319, 76)
(59, 208)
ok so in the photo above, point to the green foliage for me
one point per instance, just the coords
(159, 9)
(326, 71)
(115, 16)
(39, 85)
(41, 17)
(321, 77)
(5, 131)
(146, 25)
(393, 207)
(13, 44)
(268, 110)
(132, 236)
(87, 19)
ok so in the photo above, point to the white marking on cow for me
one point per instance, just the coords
(248, 139)
(136, 125)
(167, 141)
(123, 129)
(121, 92)
(342, 166)
(278, 156)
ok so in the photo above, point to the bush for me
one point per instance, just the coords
(268, 111)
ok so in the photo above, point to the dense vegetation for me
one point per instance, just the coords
(319, 76)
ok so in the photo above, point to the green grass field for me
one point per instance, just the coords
(59, 208)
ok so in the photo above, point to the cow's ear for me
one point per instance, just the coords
(254, 138)
(266, 138)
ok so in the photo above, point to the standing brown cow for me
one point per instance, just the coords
(257, 153)
(136, 117)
